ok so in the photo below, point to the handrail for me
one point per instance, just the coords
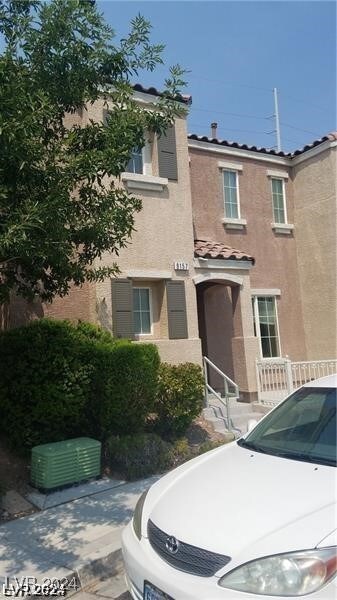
(214, 392)
(313, 362)
(227, 380)
(206, 359)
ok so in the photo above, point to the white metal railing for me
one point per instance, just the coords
(230, 389)
(305, 371)
(276, 378)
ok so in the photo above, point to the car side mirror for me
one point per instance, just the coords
(251, 424)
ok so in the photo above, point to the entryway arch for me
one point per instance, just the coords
(225, 322)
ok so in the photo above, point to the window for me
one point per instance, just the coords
(231, 192)
(135, 164)
(266, 325)
(141, 311)
(301, 428)
(277, 186)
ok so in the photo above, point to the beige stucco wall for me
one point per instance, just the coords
(163, 234)
(275, 254)
(315, 221)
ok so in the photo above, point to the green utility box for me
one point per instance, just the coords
(62, 463)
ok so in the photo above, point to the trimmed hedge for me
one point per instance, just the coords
(124, 386)
(60, 380)
(179, 399)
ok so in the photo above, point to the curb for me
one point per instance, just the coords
(97, 570)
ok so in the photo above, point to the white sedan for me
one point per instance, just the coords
(252, 520)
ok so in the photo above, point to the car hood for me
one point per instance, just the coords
(245, 504)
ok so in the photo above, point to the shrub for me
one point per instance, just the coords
(146, 454)
(181, 451)
(210, 445)
(124, 387)
(61, 380)
(140, 455)
(94, 332)
(179, 398)
(44, 383)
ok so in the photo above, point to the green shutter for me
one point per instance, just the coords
(176, 309)
(167, 154)
(122, 308)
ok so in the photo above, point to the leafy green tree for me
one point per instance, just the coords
(60, 209)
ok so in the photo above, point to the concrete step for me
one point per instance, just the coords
(242, 421)
(217, 415)
(261, 408)
(235, 407)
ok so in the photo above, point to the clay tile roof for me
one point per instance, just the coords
(203, 138)
(184, 98)
(312, 145)
(209, 249)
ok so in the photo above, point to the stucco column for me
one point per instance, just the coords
(245, 346)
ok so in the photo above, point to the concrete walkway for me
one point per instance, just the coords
(78, 539)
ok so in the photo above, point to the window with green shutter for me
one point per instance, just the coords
(176, 309)
(122, 308)
(167, 155)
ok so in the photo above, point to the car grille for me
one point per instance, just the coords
(190, 559)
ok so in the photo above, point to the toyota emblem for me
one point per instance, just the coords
(172, 544)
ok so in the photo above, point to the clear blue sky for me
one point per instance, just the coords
(237, 52)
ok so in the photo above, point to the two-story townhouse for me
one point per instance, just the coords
(243, 199)
(233, 257)
(275, 213)
(153, 298)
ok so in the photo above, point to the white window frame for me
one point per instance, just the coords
(141, 153)
(228, 170)
(144, 287)
(255, 298)
(231, 222)
(146, 160)
(282, 179)
(145, 181)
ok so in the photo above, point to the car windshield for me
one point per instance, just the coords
(301, 428)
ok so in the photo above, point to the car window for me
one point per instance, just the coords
(303, 427)
(307, 411)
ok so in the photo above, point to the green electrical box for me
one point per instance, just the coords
(63, 463)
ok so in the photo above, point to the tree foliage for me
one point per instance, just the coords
(60, 209)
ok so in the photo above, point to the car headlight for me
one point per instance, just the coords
(293, 574)
(137, 515)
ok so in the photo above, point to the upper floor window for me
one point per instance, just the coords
(230, 180)
(278, 195)
(266, 325)
(142, 311)
(136, 162)
(231, 193)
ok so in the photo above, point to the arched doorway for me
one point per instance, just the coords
(225, 322)
(216, 324)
